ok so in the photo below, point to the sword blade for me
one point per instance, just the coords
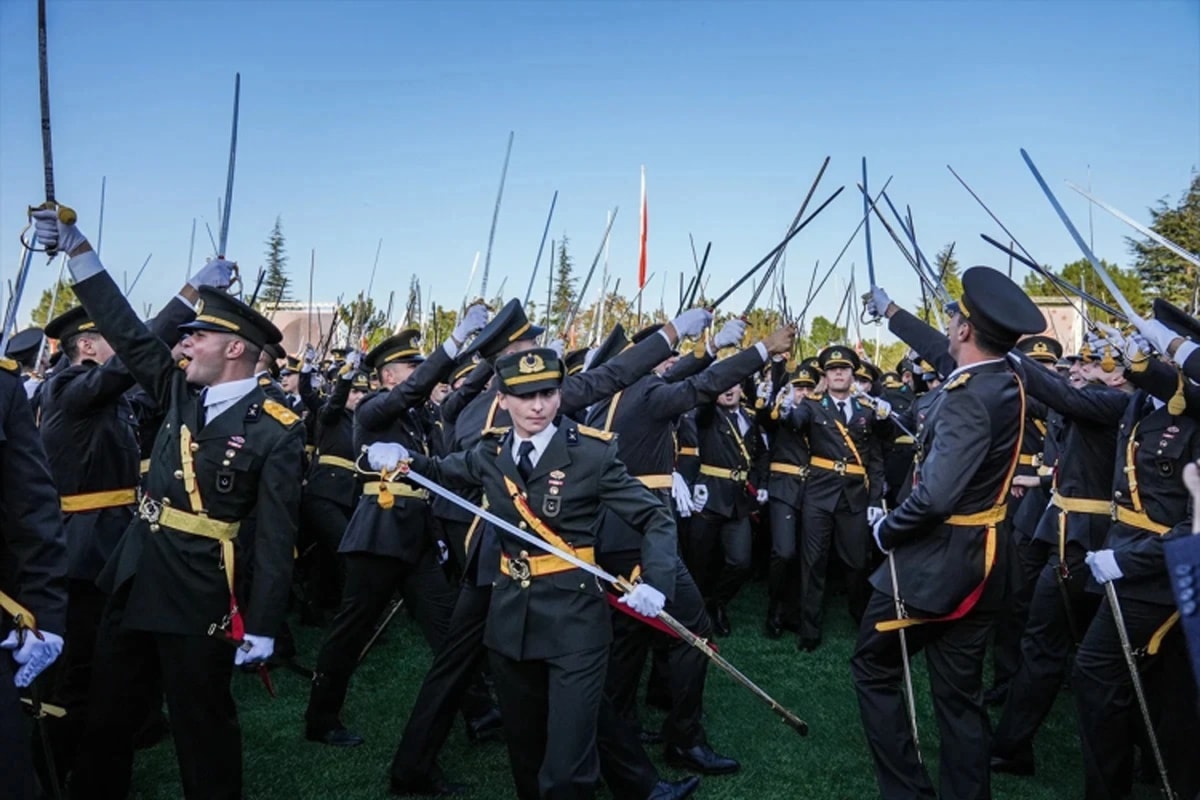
(908, 685)
(1149, 233)
(867, 230)
(487, 261)
(44, 96)
(224, 240)
(538, 261)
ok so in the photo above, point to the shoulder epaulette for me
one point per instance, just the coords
(281, 413)
(9, 365)
(596, 433)
(496, 430)
(815, 397)
(264, 381)
(958, 381)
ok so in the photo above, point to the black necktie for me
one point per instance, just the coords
(841, 404)
(524, 465)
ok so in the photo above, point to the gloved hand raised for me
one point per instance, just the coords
(877, 302)
(645, 600)
(34, 654)
(730, 335)
(354, 359)
(681, 494)
(883, 409)
(217, 273)
(386, 455)
(471, 323)
(54, 234)
(1158, 334)
(692, 323)
(261, 648)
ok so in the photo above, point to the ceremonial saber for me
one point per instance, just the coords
(867, 230)
(487, 261)
(100, 224)
(570, 318)
(387, 619)
(224, 240)
(14, 299)
(65, 215)
(538, 261)
(1060, 283)
(138, 277)
(696, 282)
(913, 262)
(902, 613)
(1105, 278)
(1149, 233)
(797, 724)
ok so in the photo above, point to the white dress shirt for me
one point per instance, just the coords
(540, 442)
(224, 395)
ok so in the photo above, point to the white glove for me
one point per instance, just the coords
(761, 497)
(386, 455)
(1158, 334)
(763, 389)
(472, 322)
(691, 323)
(878, 302)
(587, 358)
(261, 648)
(354, 358)
(217, 273)
(1137, 347)
(789, 397)
(875, 533)
(730, 335)
(557, 346)
(883, 409)
(34, 654)
(699, 497)
(645, 600)
(1112, 336)
(1104, 566)
(874, 514)
(55, 236)
(681, 494)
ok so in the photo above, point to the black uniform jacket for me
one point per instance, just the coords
(33, 550)
(643, 417)
(742, 457)
(395, 415)
(578, 475)
(331, 479)
(246, 460)
(969, 442)
(90, 431)
(818, 419)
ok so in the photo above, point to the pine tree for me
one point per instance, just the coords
(564, 287)
(42, 313)
(275, 282)
(1163, 273)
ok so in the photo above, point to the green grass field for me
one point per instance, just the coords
(832, 762)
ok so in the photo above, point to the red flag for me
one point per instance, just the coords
(642, 237)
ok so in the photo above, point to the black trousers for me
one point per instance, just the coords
(1028, 557)
(194, 673)
(323, 523)
(551, 710)
(1045, 652)
(850, 537)
(17, 780)
(719, 554)
(783, 574)
(627, 769)
(1109, 716)
(954, 655)
(687, 666)
(371, 582)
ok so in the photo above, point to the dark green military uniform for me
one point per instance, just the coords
(171, 574)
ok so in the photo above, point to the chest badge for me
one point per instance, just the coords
(551, 505)
(224, 481)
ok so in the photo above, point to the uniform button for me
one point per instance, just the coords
(1186, 595)
(1188, 608)
(1185, 582)
(1183, 569)
(166, 501)
(178, 474)
(1116, 494)
(195, 446)
(229, 454)
(521, 525)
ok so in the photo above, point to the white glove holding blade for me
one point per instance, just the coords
(217, 273)
(883, 409)
(730, 335)
(761, 497)
(878, 302)
(789, 397)
(54, 235)
(261, 648)
(691, 323)
(386, 455)
(699, 497)
(1104, 566)
(34, 654)
(875, 534)
(645, 600)
(471, 323)
(354, 358)
(681, 494)
(1158, 334)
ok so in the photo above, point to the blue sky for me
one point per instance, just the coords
(363, 120)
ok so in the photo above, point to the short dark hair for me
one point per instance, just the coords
(990, 344)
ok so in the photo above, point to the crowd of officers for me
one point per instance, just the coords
(171, 489)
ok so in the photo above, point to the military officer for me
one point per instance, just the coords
(942, 538)
(25, 347)
(553, 477)
(222, 454)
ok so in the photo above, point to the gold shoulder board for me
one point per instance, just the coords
(496, 430)
(282, 414)
(958, 381)
(8, 365)
(596, 433)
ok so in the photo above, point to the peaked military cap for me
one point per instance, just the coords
(399, 349)
(867, 372)
(813, 365)
(1176, 319)
(339, 352)
(220, 311)
(905, 365)
(1041, 348)
(647, 331)
(291, 367)
(463, 367)
(529, 371)
(996, 306)
(838, 355)
(360, 381)
(275, 351)
(611, 347)
(24, 345)
(804, 377)
(508, 326)
(892, 381)
(70, 322)
(573, 361)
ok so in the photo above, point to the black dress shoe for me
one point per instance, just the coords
(428, 787)
(674, 790)
(701, 758)
(720, 621)
(808, 645)
(1017, 765)
(334, 737)
(486, 727)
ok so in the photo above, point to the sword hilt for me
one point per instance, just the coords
(66, 216)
